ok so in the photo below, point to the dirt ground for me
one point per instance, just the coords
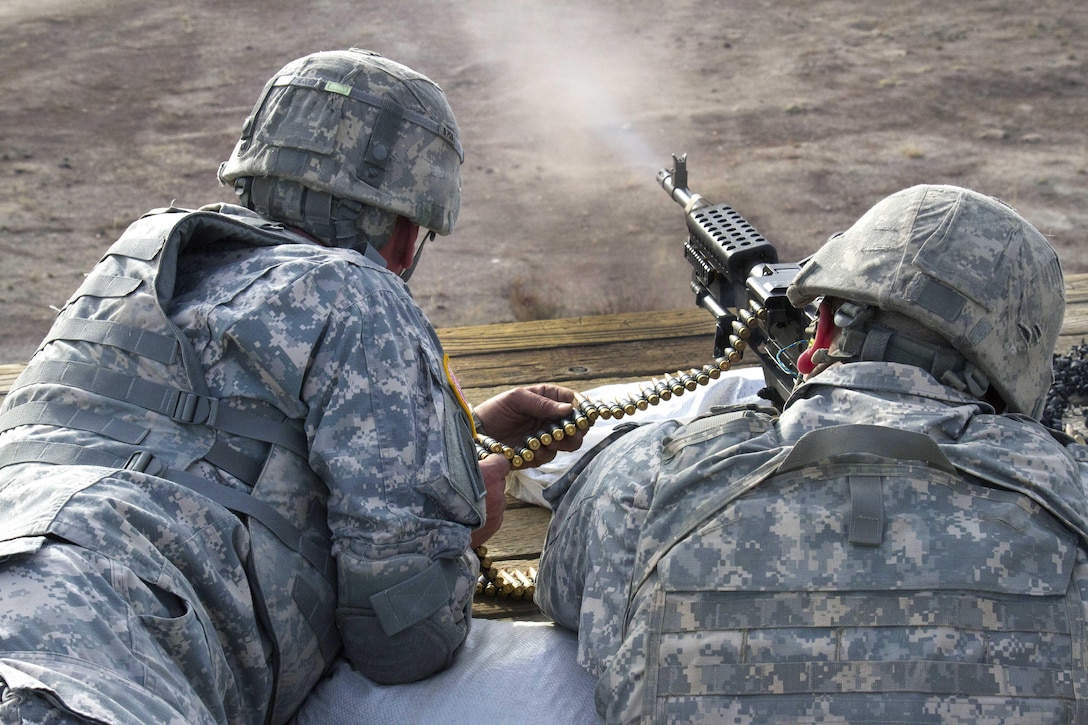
(800, 114)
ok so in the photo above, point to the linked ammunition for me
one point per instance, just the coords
(702, 377)
(490, 443)
(758, 310)
(675, 385)
(722, 363)
(737, 343)
(741, 330)
(587, 411)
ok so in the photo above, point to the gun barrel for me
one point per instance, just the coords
(675, 184)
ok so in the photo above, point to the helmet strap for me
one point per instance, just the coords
(407, 274)
(876, 342)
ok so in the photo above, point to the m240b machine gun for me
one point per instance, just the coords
(736, 276)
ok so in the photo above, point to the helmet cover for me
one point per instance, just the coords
(359, 127)
(964, 265)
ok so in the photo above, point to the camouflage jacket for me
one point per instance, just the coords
(704, 591)
(370, 463)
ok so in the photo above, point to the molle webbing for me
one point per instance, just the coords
(232, 499)
(36, 412)
(179, 405)
(158, 347)
(839, 613)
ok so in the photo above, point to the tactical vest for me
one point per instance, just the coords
(121, 387)
(857, 576)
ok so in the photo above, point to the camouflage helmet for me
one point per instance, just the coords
(358, 127)
(964, 265)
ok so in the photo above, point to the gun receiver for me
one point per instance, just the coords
(736, 276)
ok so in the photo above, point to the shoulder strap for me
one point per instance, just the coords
(872, 439)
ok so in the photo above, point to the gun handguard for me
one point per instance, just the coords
(736, 277)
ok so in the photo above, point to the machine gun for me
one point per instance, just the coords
(736, 276)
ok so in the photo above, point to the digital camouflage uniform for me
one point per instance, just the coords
(238, 452)
(887, 549)
(766, 617)
(127, 597)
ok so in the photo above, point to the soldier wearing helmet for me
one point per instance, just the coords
(352, 148)
(981, 285)
(859, 555)
(240, 452)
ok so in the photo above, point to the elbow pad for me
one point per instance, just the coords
(403, 619)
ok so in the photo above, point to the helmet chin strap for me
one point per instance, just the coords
(407, 274)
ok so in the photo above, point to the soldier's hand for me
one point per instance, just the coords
(520, 412)
(494, 470)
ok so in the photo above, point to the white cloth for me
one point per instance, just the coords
(507, 672)
(736, 386)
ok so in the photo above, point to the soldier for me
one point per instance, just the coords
(903, 542)
(240, 450)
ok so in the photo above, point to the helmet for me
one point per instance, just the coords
(351, 126)
(964, 265)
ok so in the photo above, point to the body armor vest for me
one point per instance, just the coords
(863, 574)
(117, 384)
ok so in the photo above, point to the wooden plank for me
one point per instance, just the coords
(567, 365)
(577, 331)
(1076, 288)
(8, 373)
(521, 535)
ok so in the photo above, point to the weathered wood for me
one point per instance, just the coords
(1076, 288)
(576, 331)
(8, 373)
(521, 534)
(573, 365)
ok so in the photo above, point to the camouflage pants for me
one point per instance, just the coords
(81, 641)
